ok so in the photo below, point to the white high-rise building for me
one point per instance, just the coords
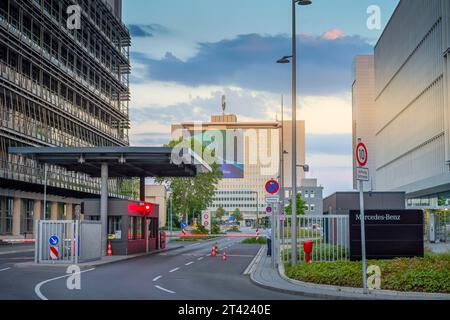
(411, 100)
(256, 151)
(363, 101)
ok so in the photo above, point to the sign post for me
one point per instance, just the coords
(272, 188)
(362, 175)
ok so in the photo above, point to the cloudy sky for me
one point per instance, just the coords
(187, 53)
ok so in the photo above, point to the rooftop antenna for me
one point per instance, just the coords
(224, 104)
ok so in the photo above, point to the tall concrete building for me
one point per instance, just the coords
(59, 86)
(412, 102)
(255, 153)
(363, 112)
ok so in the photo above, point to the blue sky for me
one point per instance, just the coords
(187, 53)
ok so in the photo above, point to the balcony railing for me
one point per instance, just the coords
(58, 101)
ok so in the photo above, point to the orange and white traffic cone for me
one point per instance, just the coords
(109, 250)
(213, 251)
(224, 256)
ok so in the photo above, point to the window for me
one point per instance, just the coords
(307, 207)
(27, 216)
(6, 214)
(306, 194)
(136, 229)
(131, 233)
(139, 228)
(115, 227)
(312, 207)
(312, 195)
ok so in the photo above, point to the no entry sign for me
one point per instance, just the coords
(361, 154)
(272, 186)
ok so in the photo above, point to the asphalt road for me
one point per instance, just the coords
(185, 273)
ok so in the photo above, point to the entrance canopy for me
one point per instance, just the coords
(122, 162)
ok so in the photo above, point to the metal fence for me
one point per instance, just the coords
(77, 241)
(66, 247)
(329, 234)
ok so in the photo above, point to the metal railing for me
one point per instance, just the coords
(329, 234)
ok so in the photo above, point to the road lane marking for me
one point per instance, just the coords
(37, 289)
(201, 258)
(157, 278)
(164, 289)
(4, 269)
(189, 263)
(173, 270)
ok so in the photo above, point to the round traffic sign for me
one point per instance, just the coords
(269, 209)
(361, 154)
(272, 186)
(53, 240)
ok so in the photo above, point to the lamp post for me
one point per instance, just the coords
(285, 60)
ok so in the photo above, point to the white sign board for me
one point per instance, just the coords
(272, 199)
(362, 174)
(206, 219)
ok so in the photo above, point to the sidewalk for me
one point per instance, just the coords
(263, 275)
(103, 261)
(16, 248)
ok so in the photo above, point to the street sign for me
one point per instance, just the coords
(272, 186)
(362, 174)
(54, 253)
(269, 209)
(361, 158)
(361, 154)
(53, 240)
(272, 199)
(206, 217)
(183, 225)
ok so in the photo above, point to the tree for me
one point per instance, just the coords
(220, 213)
(237, 214)
(193, 194)
(301, 206)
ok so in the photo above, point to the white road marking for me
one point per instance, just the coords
(4, 269)
(173, 270)
(164, 289)
(189, 263)
(201, 258)
(37, 289)
(157, 278)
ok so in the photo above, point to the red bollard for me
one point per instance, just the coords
(308, 247)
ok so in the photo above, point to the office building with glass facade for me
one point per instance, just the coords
(59, 86)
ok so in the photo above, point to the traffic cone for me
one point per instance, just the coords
(213, 251)
(224, 256)
(109, 250)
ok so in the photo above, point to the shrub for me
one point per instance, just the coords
(215, 229)
(261, 240)
(200, 230)
(428, 274)
(234, 229)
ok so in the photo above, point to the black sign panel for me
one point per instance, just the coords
(389, 234)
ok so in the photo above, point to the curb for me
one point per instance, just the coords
(91, 264)
(342, 293)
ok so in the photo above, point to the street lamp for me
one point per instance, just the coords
(285, 60)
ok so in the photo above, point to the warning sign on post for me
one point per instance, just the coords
(206, 219)
(362, 174)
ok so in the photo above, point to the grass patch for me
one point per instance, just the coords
(261, 240)
(428, 274)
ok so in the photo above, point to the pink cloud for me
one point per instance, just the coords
(333, 34)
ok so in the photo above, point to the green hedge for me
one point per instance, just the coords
(428, 274)
(261, 240)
